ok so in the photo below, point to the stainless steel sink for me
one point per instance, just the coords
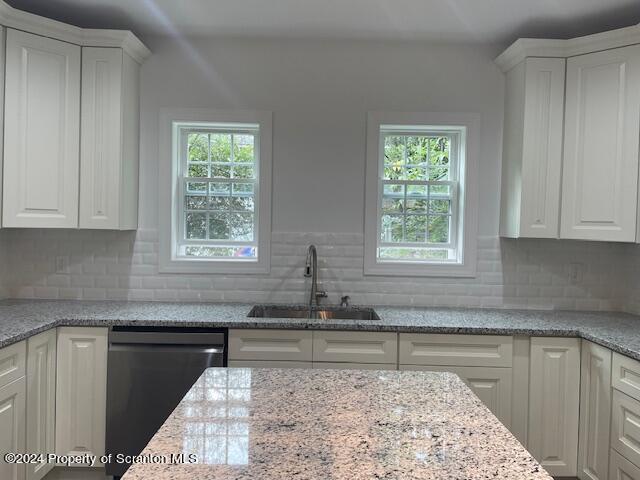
(324, 313)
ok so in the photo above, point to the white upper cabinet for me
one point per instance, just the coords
(532, 154)
(109, 145)
(602, 128)
(42, 132)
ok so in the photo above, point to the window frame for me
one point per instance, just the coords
(466, 125)
(173, 124)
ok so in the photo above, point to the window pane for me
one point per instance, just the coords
(242, 188)
(220, 147)
(416, 205)
(220, 252)
(243, 148)
(439, 191)
(197, 147)
(219, 188)
(196, 187)
(392, 205)
(416, 228)
(391, 230)
(415, 254)
(417, 150)
(243, 171)
(241, 226)
(218, 202)
(242, 204)
(439, 229)
(218, 227)
(417, 191)
(221, 171)
(198, 170)
(395, 190)
(393, 150)
(196, 202)
(439, 149)
(196, 225)
(440, 206)
(416, 173)
(438, 173)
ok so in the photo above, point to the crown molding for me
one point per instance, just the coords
(541, 47)
(85, 37)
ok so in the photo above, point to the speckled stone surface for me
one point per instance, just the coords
(254, 424)
(20, 319)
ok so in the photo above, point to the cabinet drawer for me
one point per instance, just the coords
(625, 426)
(626, 375)
(622, 469)
(267, 364)
(12, 362)
(355, 347)
(456, 350)
(292, 345)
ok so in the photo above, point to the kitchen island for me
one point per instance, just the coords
(242, 423)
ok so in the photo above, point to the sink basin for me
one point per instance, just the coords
(324, 313)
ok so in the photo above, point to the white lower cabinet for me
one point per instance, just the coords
(41, 400)
(595, 412)
(622, 469)
(81, 391)
(12, 427)
(554, 398)
(267, 364)
(270, 345)
(491, 384)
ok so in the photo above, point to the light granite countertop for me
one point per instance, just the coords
(243, 424)
(20, 319)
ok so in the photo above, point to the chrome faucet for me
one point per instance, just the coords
(311, 270)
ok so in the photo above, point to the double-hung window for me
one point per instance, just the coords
(220, 208)
(417, 196)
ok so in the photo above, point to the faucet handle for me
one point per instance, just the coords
(321, 294)
(344, 301)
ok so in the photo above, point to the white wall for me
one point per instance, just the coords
(319, 92)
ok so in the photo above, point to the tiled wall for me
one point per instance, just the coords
(123, 265)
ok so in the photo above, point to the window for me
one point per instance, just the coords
(220, 183)
(417, 196)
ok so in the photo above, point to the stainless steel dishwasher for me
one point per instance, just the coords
(149, 371)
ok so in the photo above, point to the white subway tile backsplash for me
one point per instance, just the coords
(522, 273)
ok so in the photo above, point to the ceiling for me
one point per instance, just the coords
(460, 21)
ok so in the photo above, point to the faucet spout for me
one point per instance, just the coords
(311, 270)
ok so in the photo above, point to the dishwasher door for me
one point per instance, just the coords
(149, 372)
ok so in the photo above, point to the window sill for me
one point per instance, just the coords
(421, 270)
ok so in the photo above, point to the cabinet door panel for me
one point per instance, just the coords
(553, 404)
(42, 132)
(41, 400)
(491, 385)
(12, 362)
(542, 147)
(278, 345)
(355, 347)
(101, 144)
(595, 412)
(81, 390)
(625, 426)
(12, 427)
(600, 173)
(622, 469)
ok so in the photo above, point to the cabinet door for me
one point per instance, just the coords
(622, 469)
(42, 132)
(491, 385)
(271, 345)
(12, 427)
(41, 400)
(101, 143)
(600, 172)
(554, 396)
(595, 412)
(355, 347)
(542, 147)
(81, 390)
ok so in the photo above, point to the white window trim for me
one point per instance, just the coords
(170, 164)
(469, 195)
